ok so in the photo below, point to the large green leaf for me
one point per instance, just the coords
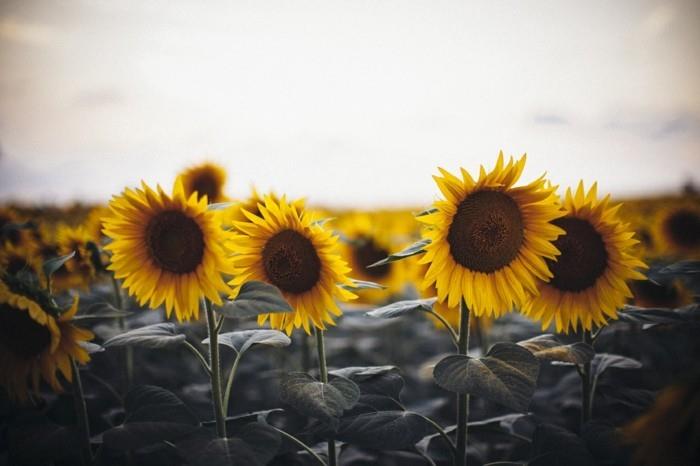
(52, 265)
(253, 299)
(506, 375)
(384, 430)
(374, 380)
(400, 308)
(359, 285)
(101, 310)
(656, 315)
(255, 445)
(324, 401)
(412, 250)
(163, 335)
(244, 339)
(549, 348)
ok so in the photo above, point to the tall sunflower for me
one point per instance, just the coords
(282, 246)
(588, 282)
(37, 339)
(489, 239)
(677, 229)
(207, 179)
(168, 249)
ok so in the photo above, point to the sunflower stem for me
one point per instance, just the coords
(81, 414)
(123, 327)
(215, 365)
(462, 398)
(586, 392)
(200, 357)
(323, 371)
(229, 383)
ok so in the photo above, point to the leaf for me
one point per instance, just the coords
(384, 430)
(256, 445)
(549, 348)
(358, 285)
(374, 380)
(253, 299)
(656, 315)
(91, 348)
(220, 206)
(322, 221)
(554, 446)
(681, 268)
(414, 249)
(324, 401)
(506, 375)
(604, 361)
(428, 211)
(163, 335)
(52, 265)
(153, 415)
(101, 310)
(400, 308)
(244, 339)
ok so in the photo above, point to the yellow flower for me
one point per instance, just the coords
(16, 259)
(36, 341)
(677, 229)
(489, 239)
(589, 277)
(81, 265)
(207, 179)
(282, 246)
(168, 249)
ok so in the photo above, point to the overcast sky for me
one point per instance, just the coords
(345, 102)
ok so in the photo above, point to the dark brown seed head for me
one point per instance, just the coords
(366, 252)
(683, 228)
(175, 242)
(20, 334)
(206, 184)
(291, 262)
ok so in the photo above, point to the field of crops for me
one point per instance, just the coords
(511, 322)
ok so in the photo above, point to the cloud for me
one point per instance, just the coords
(99, 98)
(15, 30)
(550, 119)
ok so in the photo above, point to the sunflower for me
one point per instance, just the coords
(236, 213)
(17, 259)
(168, 249)
(15, 236)
(369, 238)
(489, 239)
(36, 339)
(671, 294)
(82, 265)
(677, 229)
(207, 179)
(589, 277)
(282, 246)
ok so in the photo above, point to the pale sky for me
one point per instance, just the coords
(348, 103)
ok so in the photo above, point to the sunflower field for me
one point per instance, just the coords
(512, 322)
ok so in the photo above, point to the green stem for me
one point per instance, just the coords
(82, 414)
(462, 398)
(586, 388)
(447, 325)
(323, 370)
(229, 383)
(123, 327)
(199, 356)
(215, 365)
(300, 443)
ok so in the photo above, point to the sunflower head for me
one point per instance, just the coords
(588, 283)
(37, 339)
(168, 249)
(16, 260)
(678, 229)
(207, 179)
(489, 238)
(82, 266)
(282, 246)
(673, 294)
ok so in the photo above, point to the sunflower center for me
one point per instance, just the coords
(583, 256)
(205, 184)
(365, 253)
(684, 228)
(486, 232)
(175, 242)
(649, 293)
(291, 262)
(20, 334)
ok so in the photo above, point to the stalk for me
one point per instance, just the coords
(586, 392)
(215, 365)
(323, 370)
(128, 351)
(81, 414)
(462, 398)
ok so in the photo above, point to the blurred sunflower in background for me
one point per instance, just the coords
(82, 266)
(10, 231)
(15, 260)
(588, 283)
(168, 249)
(366, 239)
(677, 229)
(672, 294)
(206, 179)
(489, 239)
(282, 246)
(37, 339)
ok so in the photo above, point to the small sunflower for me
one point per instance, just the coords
(282, 246)
(489, 239)
(589, 277)
(168, 249)
(671, 294)
(81, 265)
(678, 229)
(207, 179)
(16, 259)
(36, 339)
